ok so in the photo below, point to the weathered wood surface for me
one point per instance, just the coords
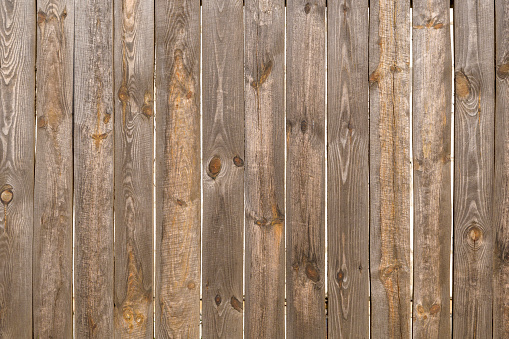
(390, 171)
(178, 169)
(93, 169)
(348, 170)
(17, 113)
(133, 95)
(501, 179)
(305, 176)
(473, 168)
(52, 246)
(432, 83)
(223, 168)
(264, 168)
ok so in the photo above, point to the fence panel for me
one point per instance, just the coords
(134, 140)
(264, 169)
(390, 168)
(432, 85)
(473, 168)
(93, 169)
(348, 170)
(53, 210)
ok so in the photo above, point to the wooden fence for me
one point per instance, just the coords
(300, 169)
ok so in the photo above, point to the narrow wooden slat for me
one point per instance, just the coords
(473, 168)
(390, 171)
(17, 113)
(223, 168)
(93, 174)
(52, 270)
(134, 69)
(348, 170)
(265, 168)
(501, 179)
(305, 176)
(178, 169)
(432, 83)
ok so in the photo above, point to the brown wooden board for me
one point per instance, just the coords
(223, 168)
(432, 85)
(17, 115)
(178, 169)
(390, 171)
(305, 175)
(264, 168)
(134, 141)
(93, 168)
(473, 168)
(53, 210)
(501, 179)
(348, 170)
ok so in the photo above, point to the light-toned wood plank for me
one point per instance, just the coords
(17, 115)
(348, 170)
(390, 171)
(501, 179)
(265, 168)
(473, 168)
(93, 169)
(432, 86)
(52, 270)
(223, 168)
(305, 175)
(134, 74)
(178, 169)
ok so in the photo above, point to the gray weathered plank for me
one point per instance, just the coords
(390, 171)
(432, 83)
(178, 169)
(348, 170)
(93, 174)
(223, 168)
(52, 246)
(501, 179)
(17, 113)
(265, 168)
(473, 168)
(134, 74)
(305, 177)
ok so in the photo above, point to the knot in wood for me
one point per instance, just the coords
(6, 195)
(214, 167)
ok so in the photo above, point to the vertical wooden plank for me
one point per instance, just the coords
(178, 169)
(223, 168)
(17, 113)
(473, 168)
(305, 176)
(52, 270)
(265, 168)
(134, 75)
(93, 176)
(432, 84)
(390, 171)
(501, 179)
(348, 169)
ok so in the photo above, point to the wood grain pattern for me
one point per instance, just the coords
(223, 168)
(390, 171)
(134, 75)
(93, 163)
(265, 168)
(305, 176)
(432, 85)
(501, 179)
(178, 169)
(52, 246)
(17, 113)
(473, 168)
(348, 170)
